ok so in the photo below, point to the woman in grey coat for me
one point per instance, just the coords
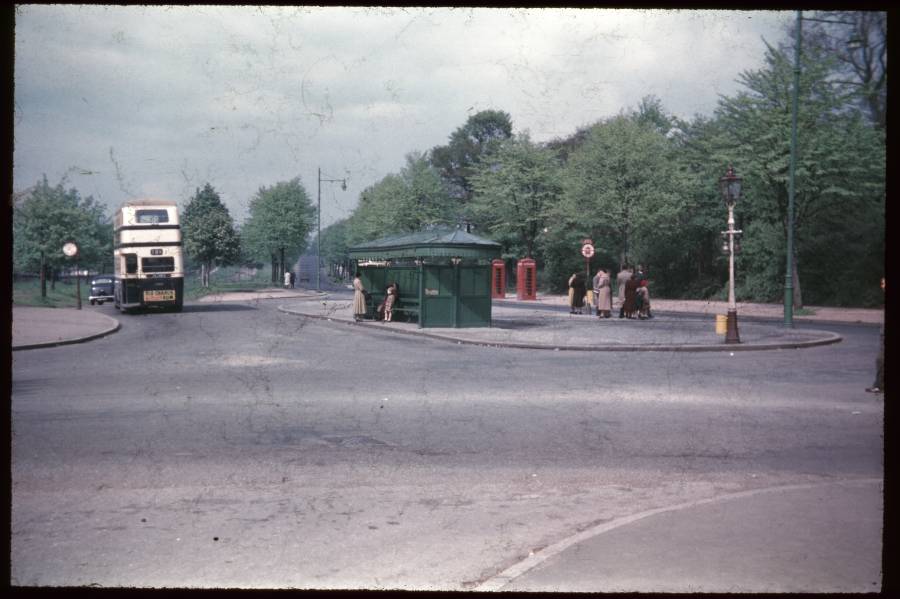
(603, 294)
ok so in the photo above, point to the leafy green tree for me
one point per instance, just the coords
(469, 144)
(280, 222)
(374, 214)
(208, 231)
(403, 202)
(839, 178)
(624, 189)
(48, 217)
(334, 247)
(651, 112)
(514, 191)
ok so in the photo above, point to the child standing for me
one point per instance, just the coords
(389, 300)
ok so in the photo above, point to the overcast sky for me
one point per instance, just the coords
(136, 101)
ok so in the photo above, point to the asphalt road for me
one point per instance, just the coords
(237, 446)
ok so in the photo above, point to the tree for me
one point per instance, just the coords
(469, 144)
(839, 175)
(405, 202)
(208, 231)
(334, 245)
(625, 189)
(47, 218)
(858, 40)
(515, 189)
(281, 219)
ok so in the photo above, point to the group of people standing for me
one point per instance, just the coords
(633, 293)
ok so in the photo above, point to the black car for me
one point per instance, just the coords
(102, 289)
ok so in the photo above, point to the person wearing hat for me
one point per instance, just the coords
(602, 293)
(576, 293)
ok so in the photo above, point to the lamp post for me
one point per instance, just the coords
(343, 183)
(730, 186)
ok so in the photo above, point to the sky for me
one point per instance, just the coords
(123, 102)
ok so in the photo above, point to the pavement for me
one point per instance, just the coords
(763, 540)
(547, 324)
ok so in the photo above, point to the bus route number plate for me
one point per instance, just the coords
(159, 295)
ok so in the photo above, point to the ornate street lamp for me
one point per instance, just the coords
(730, 186)
(343, 183)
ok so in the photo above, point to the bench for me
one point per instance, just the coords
(408, 307)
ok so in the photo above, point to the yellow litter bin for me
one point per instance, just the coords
(721, 324)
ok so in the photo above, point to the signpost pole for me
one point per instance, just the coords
(587, 250)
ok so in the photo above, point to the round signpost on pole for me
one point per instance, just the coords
(587, 250)
(71, 250)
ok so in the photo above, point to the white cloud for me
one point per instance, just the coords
(160, 100)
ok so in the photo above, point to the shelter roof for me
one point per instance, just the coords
(436, 242)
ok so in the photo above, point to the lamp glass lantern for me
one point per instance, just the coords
(730, 186)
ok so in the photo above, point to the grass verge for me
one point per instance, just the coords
(28, 292)
(61, 295)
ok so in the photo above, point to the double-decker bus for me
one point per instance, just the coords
(149, 264)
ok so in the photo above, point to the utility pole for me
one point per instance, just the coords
(343, 183)
(789, 269)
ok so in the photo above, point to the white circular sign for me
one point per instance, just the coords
(70, 249)
(587, 250)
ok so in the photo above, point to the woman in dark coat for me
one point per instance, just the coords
(630, 304)
(577, 291)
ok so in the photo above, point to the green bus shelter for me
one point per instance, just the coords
(444, 275)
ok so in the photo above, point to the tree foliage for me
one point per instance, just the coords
(858, 41)
(624, 189)
(469, 144)
(48, 217)
(208, 231)
(514, 191)
(839, 176)
(281, 219)
(403, 202)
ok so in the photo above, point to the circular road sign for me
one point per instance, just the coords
(70, 249)
(587, 250)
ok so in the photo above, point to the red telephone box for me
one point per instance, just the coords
(526, 279)
(498, 279)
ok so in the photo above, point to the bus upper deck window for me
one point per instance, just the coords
(130, 263)
(151, 217)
